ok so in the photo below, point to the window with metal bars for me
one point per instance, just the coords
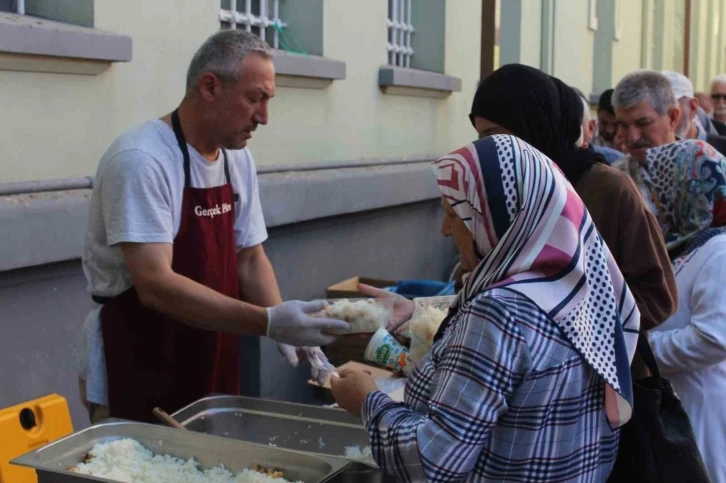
(75, 12)
(261, 17)
(400, 31)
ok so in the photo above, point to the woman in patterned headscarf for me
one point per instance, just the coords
(687, 184)
(529, 374)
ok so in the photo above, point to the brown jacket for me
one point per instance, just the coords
(632, 233)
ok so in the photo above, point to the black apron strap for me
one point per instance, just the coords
(101, 300)
(181, 140)
(226, 166)
(176, 124)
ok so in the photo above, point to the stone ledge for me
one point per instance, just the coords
(401, 77)
(306, 71)
(26, 35)
(50, 227)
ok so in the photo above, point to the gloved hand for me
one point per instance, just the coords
(294, 354)
(402, 307)
(291, 323)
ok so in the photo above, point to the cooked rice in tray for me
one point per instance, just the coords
(127, 461)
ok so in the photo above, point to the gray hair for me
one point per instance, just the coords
(222, 54)
(645, 85)
(586, 115)
(719, 79)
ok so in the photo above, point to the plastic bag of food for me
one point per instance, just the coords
(365, 316)
(425, 322)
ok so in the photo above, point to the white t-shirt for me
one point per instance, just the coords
(137, 198)
(690, 348)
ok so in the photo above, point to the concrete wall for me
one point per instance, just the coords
(531, 41)
(603, 46)
(650, 36)
(520, 32)
(57, 126)
(573, 43)
(699, 39)
(43, 307)
(628, 50)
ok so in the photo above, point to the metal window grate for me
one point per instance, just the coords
(253, 15)
(399, 33)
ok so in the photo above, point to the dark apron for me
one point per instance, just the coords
(154, 360)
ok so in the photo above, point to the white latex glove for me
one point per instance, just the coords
(291, 323)
(294, 354)
(402, 307)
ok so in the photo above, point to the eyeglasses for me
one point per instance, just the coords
(718, 97)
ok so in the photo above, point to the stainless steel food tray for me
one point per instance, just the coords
(52, 462)
(299, 427)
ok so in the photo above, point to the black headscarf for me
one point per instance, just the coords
(539, 109)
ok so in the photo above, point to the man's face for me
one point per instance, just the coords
(242, 105)
(641, 128)
(718, 96)
(705, 102)
(607, 125)
(689, 109)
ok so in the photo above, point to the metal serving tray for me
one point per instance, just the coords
(299, 427)
(52, 462)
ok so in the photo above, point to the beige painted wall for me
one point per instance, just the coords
(573, 44)
(57, 126)
(627, 50)
(531, 32)
(699, 21)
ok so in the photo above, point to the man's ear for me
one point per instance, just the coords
(693, 104)
(674, 114)
(591, 127)
(209, 86)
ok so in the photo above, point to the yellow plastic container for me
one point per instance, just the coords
(28, 426)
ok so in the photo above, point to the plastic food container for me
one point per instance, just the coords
(385, 350)
(52, 463)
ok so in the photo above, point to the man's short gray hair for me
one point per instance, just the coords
(719, 79)
(645, 85)
(222, 54)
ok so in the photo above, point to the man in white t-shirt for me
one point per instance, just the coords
(173, 252)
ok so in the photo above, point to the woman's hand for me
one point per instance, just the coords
(402, 307)
(351, 389)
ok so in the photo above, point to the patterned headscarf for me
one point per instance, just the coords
(539, 240)
(686, 181)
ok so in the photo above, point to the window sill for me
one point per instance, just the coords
(37, 45)
(413, 82)
(306, 71)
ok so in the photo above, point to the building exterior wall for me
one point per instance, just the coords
(573, 44)
(651, 36)
(43, 307)
(531, 41)
(627, 50)
(57, 126)
(375, 212)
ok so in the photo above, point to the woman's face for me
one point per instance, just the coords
(487, 128)
(453, 226)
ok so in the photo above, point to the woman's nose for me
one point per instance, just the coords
(445, 227)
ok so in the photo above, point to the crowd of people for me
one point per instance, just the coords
(579, 234)
(582, 236)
